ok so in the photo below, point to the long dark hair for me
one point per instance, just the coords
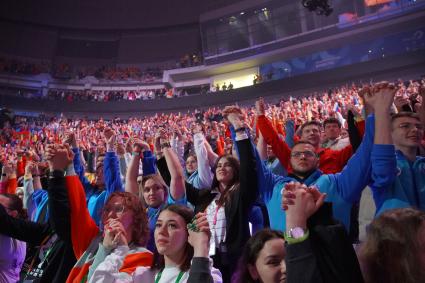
(187, 214)
(16, 204)
(391, 251)
(234, 183)
(250, 254)
(140, 229)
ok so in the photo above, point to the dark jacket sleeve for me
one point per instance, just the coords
(192, 194)
(200, 271)
(161, 164)
(335, 255)
(23, 230)
(59, 209)
(301, 263)
(353, 132)
(237, 225)
(248, 173)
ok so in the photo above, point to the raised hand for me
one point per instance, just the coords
(120, 149)
(400, 101)
(260, 108)
(199, 235)
(70, 139)
(29, 167)
(110, 138)
(139, 146)
(234, 115)
(381, 97)
(58, 156)
(300, 203)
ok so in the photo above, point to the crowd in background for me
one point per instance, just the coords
(190, 60)
(268, 193)
(20, 67)
(107, 73)
(104, 96)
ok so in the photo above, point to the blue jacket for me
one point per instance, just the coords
(96, 198)
(397, 183)
(275, 167)
(40, 199)
(342, 189)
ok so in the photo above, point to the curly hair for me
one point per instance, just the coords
(140, 227)
(250, 254)
(390, 253)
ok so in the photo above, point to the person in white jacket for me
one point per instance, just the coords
(182, 243)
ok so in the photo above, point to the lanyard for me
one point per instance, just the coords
(215, 214)
(179, 277)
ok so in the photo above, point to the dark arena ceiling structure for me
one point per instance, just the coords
(108, 14)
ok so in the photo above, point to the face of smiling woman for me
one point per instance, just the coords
(224, 171)
(270, 265)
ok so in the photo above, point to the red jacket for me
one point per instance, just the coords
(331, 161)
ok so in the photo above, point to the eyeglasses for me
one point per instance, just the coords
(298, 154)
(154, 188)
(117, 209)
(409, 126)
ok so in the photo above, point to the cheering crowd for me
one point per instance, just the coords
(268, 193)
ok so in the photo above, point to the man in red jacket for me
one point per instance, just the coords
(331, 161)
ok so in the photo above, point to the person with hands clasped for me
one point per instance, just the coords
(182, 244)
(123, 218)
(317, 247)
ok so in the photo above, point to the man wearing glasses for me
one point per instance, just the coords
(342, 189)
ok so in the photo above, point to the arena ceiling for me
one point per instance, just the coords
(108, 14)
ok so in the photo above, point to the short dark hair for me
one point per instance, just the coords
(250, 254)
(303, 142)
(309, 123)
(404, 114)
(332, 120)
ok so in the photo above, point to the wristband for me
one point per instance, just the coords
(57, 174)
(165, 144)
(3, 174)
(241, 129)
(291, 240)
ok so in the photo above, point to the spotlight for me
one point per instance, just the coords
(321, 7)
